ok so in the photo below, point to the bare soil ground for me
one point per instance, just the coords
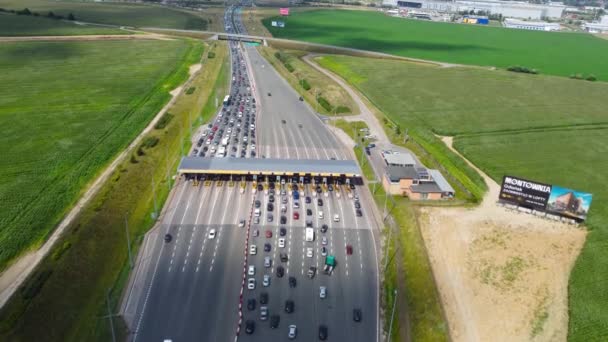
(502, 275)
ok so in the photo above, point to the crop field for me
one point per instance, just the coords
(545, 128)
(570, 53)
(66, 108)
(115, 13)
(20, 25)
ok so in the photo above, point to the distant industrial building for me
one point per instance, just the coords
(530, 25)
(404, 178)
(599, 27)
(513, 9)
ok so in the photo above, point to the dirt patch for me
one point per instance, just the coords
(502, 275)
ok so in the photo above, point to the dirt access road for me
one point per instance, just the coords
(502, 275)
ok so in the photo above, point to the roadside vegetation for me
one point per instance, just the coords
(115, 13)
(507, 123)
(21, 25)
(571, 53)
(90, 263)
(320, 91)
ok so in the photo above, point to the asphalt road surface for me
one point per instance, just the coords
(193, 283)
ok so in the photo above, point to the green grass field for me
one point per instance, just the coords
(544, 128)
(21, 25)
(114, 13)
(66, 108)
(551, 53)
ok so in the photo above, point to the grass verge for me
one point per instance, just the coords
(75, 282)
(21, 25)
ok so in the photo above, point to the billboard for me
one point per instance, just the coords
(274, 23)
(545, 197)
(281, 23)
(284, 11)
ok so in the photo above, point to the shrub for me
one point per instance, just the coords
(25, 11)
(591, 78)
(150, 142)
(133, 159)
(190, 90)
(211, 55)
(305, 84)
(31, 290)
(164, 121)
(289, 67)
(324, 103)
(522, 69)
(342, 109)
(71, 17)
(140, 151)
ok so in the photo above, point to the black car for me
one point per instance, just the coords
(269, 94)
(258, 203)
(284, 258)
(270, 207)
(308, 212)
(274, 321)
(322, 332)
(324, 228)
(308, 200)
(282, 231)
(330, 187)
(359, 213)
(357, 315)
(301, 98)
(271, 197)
(319, 190)
(168, 237)
(260, 187)
(251, 304)
(283, 121)
(264, 298)
(249, 326)
(308, 223)
(357, 205)
(319, 202)
(352, 186)
(280, 271)
(266, 247)
(289, 306)
(292, 282)
(283, 219)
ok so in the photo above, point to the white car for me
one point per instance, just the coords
(267, 262)
(251, 270)
(251, 284)
(242, 224)
(322, 292)
(253, 249)
(320, 214)
(309, 252)
(282, 243)
(212, 234)
(293, 331)
(253, 147)
(336, 218)
(257, 213)
(324, 241)
(266, 281)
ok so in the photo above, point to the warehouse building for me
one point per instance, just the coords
(398, 159)
(530, 25)
(599, 27)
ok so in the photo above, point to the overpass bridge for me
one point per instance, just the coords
(240, 38)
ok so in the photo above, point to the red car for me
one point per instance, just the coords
(349, 249)
(214, 128)
(296, 215)
(268, 234)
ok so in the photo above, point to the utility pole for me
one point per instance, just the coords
(110, 316)
(387, 247)
(128, 241)
(390, 329)
(154, 196)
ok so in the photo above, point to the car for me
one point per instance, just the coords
(274, 321)
(251, 284)
(308, 223)
(251, 304)
(324, 228)
(322, 332)
(323, 251)
(324, 240)
(267, 262)
(264, 298)
(293, 332)
(253, 250)
(282, 231)
(307, 200)
(270, 207)
(251, 270)
(311, 272)
(256, 220)
(283, 219)
(284, 199)
(349, 249)
(257, 213)
(357, 315)
(282, 243)
(280, 271)
(357, 205)
(263, 313)
(266, 280)
(168, 237)
(322, 292)
(330, 187)
(256, 232)
(283, 121)
(289, 306)
(336, 218)
(271, 198)
(269, 94)
(268, 234)
(309, 252)
(249, 326)
(296, 215)
(269, 217)
(319, 202)
(301, 98)
(292, 282)
(320, 215)
(212, 234)
(267, 247)
(359, 213)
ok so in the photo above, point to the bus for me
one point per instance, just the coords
(310, 234)
(227, 100)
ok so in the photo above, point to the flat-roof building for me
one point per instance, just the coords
(530, 25)
(417, 183)
(398, 159)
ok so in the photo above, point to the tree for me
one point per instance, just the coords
(50, 14)
(71, 17)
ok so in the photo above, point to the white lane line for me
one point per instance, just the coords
(219, 234)
(304, 144)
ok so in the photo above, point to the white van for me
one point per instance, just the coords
(257, 213)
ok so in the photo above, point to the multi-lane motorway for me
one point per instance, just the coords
(192, 286)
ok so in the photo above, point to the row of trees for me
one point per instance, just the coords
(50, 14)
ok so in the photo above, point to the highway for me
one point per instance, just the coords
(192, 285)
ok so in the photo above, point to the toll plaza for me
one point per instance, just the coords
(305, 171)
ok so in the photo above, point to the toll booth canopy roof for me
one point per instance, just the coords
(266, 166)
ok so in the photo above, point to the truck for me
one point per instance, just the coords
(221, 152)
(330, 263)
(310, 235)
